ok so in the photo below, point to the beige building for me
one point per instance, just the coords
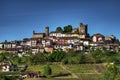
(80, 32)
(38, 35)
(41, 35)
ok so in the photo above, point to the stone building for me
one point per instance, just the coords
(47, 31)
(38, 35)
(41, 35)
(98, 38)
(83, 30)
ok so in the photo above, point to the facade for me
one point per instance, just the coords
(5, 45)
(80, 32)
(83, 29)
(38, 35)
(98, 38)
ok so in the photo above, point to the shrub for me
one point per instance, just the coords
(47, 70)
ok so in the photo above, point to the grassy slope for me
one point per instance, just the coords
(55, 68)
(84, 71)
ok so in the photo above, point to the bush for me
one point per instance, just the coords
(65, 61)
(110, 72)
(56, 56)
(47, 70)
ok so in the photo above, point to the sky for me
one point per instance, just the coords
(18, 18)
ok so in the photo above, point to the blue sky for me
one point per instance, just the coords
(18, 18)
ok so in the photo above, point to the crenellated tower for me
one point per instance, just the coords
(47, 31)
(83, 29)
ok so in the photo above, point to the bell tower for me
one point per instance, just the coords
(47, 31)
(83, 29)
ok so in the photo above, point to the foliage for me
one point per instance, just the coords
(68, 28)
(47, 70)
(2, 57)
(13, 78)
(110, 72)
(10, 76)
(97, 54)
(65, 61)
(59, 29)
(78, 58)
(56, 56)
(104, 55)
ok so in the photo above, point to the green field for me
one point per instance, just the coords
(55, 68)
(81, 68)
(82, 71)
(59, 71)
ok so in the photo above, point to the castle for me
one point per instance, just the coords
(41, 35)
(80, 32)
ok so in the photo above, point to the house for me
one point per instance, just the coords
(47, 42)
(6, 68)
(82, 36)
(1, 46)
(12, 50)
(86, 41)
(6, 44)
(48, 49)
(38, 35)
(56, 34)
(94, 44)
(75, 30)
(111, 39)
(41, 50)
(35, 50)
(60, 41)
(75, 35)
(26, 42)
(34, 42)
(98, 38)
(79, 48)
(64, 47)
(29, 74)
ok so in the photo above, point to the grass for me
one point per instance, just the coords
(83, 71)
(55, 68)
(89, 76)
(9, 73)
(36, 68)
(81, 68)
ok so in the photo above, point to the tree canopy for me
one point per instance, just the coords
(68, 28)
(59, 29)
(47, 70)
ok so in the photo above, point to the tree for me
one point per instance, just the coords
(59, 29)
(97, 55)
(56, 56)
(68, 28)
(110, 72)
(2, 57)
(47, 70)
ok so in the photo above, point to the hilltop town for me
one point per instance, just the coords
(77, 39)
(63, 54)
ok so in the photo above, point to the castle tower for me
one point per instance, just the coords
(83, 29)
(47, 31)
(33, 32)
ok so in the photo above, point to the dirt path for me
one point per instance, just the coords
(65, 68)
